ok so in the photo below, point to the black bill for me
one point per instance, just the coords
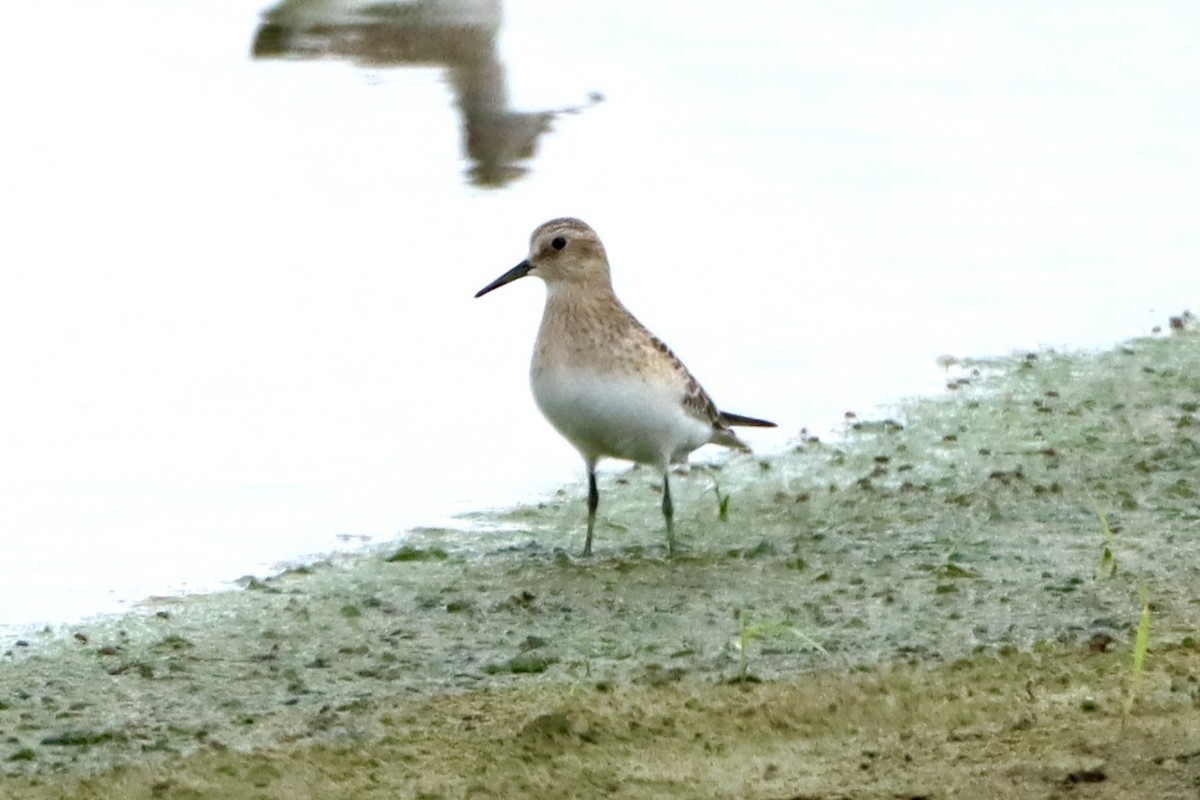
(519, 271)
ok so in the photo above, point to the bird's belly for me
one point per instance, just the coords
(619, 417)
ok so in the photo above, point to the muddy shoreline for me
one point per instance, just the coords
(931, 589)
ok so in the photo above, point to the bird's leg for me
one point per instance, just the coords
(593, 504)
(669, 514)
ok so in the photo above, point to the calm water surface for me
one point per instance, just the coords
(241, 242)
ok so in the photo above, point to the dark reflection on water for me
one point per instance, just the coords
(457, 34)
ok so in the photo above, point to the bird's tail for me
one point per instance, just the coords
(723, 436)
(745, 422)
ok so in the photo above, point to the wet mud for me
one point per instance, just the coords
(942, 602)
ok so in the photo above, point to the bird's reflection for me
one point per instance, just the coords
(458, 34)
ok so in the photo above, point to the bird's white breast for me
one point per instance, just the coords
(618, 415)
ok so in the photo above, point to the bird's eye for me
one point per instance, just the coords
(558, 243)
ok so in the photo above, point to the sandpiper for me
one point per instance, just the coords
(606, 383)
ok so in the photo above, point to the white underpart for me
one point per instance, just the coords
(618, 416)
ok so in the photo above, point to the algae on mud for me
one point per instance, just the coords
(964, 527)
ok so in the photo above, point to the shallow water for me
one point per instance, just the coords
(240, 265)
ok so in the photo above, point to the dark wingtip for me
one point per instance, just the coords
(745, 422)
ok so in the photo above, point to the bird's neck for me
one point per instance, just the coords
(579, 317)
(581, 299)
